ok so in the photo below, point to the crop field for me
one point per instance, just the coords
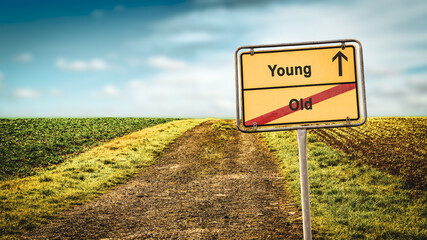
(366, 182)
(393, 145)
(29, 143)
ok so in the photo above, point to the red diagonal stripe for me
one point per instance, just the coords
(316, 98)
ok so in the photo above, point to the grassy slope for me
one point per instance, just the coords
(351, 200)
(30, 201)
(36, 142)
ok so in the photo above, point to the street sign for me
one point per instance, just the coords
(302, 85)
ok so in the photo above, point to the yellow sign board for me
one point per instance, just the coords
(299, 85)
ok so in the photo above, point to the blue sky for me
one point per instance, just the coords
(175, 58)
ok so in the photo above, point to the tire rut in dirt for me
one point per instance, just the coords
(209, 184)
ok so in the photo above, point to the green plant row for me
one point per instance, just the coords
(26, 144)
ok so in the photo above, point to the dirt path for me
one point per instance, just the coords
(209, 184)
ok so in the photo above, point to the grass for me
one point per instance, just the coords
(27, 202)
(26, 144)
(394, 145)
(351, 200)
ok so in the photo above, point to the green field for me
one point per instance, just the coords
(26, 144)
(27, 202)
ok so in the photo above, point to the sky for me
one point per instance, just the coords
(172, 58)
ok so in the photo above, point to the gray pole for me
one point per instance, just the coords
(305, 198)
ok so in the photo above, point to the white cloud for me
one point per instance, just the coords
(200, 92)
(199, 23)
(398, 95)
(135, 62)
(192, 37)
(191, 30)
(30, 93)
(159, 62)
(110, 91)
(379, 71)
(26, 93)
(82, 66)
(56, 92)
(107, 91)
(166, 63)
(23, 57)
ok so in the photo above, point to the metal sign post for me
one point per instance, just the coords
(305, 197)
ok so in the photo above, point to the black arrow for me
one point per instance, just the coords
(340, 56)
